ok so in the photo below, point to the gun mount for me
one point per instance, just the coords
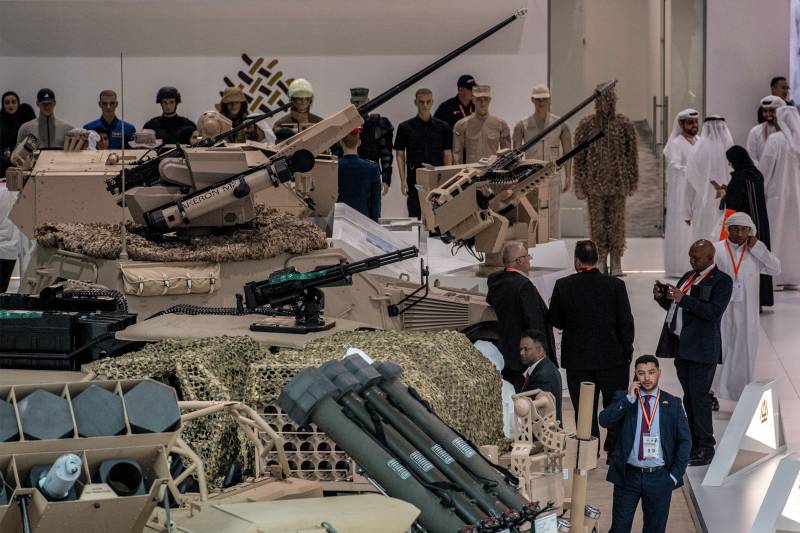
(485, 205)
(205, 186)
(300, 291)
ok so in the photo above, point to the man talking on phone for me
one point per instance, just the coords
(652, 451)
(691, 335)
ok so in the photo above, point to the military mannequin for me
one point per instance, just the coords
(376, 137)
(553, 146)
(233, 105)
(605, 175)
(170, 127)
(300, 117)
(480, 134)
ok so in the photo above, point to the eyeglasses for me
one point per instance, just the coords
(529, 257)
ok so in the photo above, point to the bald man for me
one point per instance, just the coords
(691, 335)
(519, 307)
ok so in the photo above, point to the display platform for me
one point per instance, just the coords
(175, 326)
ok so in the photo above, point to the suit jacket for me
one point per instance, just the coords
(518, 306)
(676, 441)
(594, 314)
(546, 377)
(703, 307)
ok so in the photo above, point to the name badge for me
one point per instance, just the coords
(652, 446)
(738, 291)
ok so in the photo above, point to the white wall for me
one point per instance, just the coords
(335, 44)
(747, 44)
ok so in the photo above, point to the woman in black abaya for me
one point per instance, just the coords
(745, 193)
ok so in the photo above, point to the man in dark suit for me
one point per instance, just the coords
(652, 451)
(594, 314)
(518, 306)
(541, 373)
(691, 335)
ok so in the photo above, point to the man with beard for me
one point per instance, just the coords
(743, 257)
(461, 105)
(170, 127)
(650, 458)
(780, 165)
(605, 174)
(758, 135)
(676, 153)
(706, 178)
(779, 87)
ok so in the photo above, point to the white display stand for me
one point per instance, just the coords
(361, 237)
(780, 509)
(753, 435)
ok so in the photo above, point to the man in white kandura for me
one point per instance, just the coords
(706, 172)
(780, 165)
(743, 257)
(677, 233)
(758, 135)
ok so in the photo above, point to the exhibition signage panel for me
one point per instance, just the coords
(780, 510)
(753, 435)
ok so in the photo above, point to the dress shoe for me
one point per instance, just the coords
(702, 459)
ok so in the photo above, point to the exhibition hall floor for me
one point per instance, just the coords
(732, 507)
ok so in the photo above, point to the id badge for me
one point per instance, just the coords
(652, 446)
(738, 291)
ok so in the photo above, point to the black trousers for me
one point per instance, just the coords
(608, 381)
(412, 202)
(654, 489)
(6, 269)
(696, 379)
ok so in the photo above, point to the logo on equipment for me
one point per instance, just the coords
(764, 409)
(263, 84)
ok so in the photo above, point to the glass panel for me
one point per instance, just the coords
(685, 55)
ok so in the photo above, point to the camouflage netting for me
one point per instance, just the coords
(271, 233)
(462, 386)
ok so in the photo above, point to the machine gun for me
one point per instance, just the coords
(144, 172)
(195, 197)
(484, 206)
(301, 292)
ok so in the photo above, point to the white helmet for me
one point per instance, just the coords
(300, 88)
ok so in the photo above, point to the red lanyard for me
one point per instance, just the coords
(688, 285)
(733, 261)
(463, 113)
(587, 269)
(649, 419)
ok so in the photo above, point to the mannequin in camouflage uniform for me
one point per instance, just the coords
(376, 137)
(604, 175)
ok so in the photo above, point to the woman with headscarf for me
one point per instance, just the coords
(745, 194)
(12, 115)
(780, 166)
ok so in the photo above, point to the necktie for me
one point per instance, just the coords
(644, 428)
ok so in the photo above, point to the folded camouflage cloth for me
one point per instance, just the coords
(270, 234)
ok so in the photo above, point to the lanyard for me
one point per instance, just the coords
(649, 419)
(688, 285)
(587, 269)
(464, 113)
(736, 265)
